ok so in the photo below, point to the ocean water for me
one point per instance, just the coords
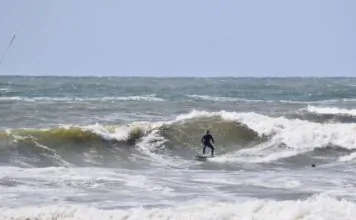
(75, 148)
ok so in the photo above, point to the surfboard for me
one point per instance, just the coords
(201, 157)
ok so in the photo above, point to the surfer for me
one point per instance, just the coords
(206, 141)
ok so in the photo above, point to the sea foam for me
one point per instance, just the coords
(318, 207)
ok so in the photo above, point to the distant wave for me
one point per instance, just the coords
(331, 110)
(5, 90)
(155, 98)
(150, 98)
(235, 99)
(221, 98)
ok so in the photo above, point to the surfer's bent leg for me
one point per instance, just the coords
(204, 149)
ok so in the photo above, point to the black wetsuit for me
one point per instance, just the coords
(206, 141)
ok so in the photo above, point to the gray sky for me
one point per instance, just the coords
(179, 38)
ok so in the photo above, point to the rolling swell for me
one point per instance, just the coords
(67, 146)
(97, 144)
(240, 137)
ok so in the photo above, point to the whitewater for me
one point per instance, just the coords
(124, 148)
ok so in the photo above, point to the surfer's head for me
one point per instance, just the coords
(207, 131)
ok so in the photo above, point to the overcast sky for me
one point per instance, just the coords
(179, 38)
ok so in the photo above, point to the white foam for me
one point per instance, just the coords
(151, 144)
(118, 132)
(12, 98)
(331, 110)
(152, 98)
(349, 100)
(148, 144)
(350, 157)
(319, 207)
(5, 89)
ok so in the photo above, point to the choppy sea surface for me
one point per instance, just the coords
(124, 148)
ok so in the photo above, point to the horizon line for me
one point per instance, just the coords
(138, 76)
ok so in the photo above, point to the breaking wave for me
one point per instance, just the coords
(240, 137)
